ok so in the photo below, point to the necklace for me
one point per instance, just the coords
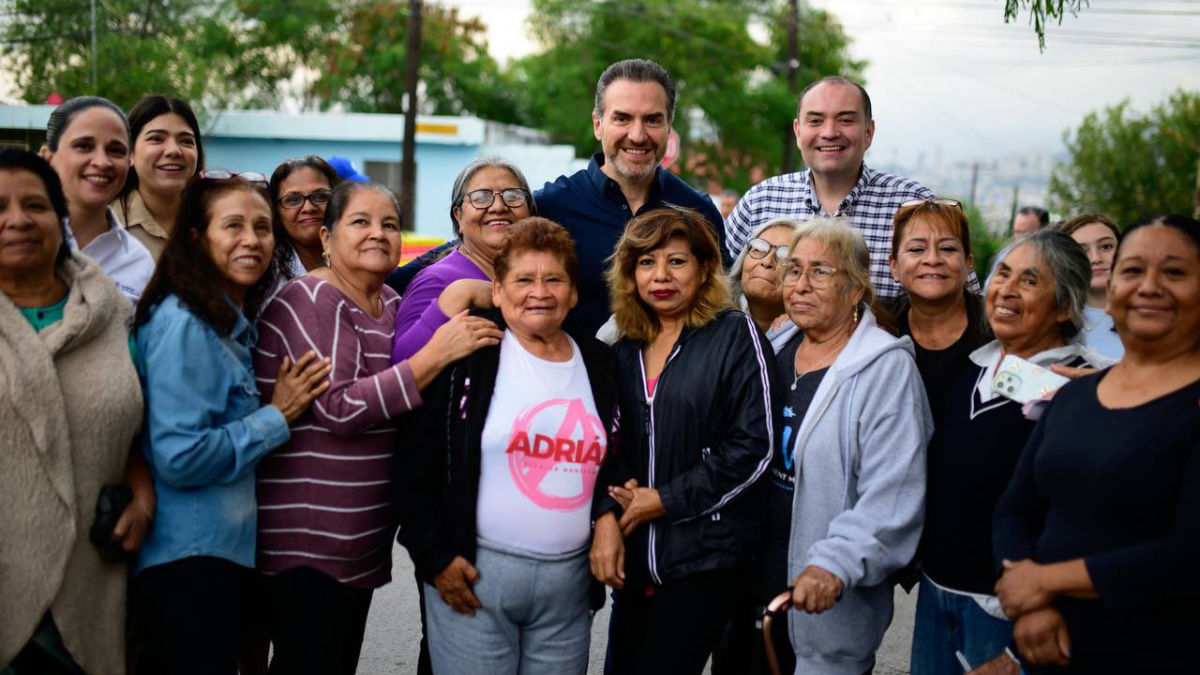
(828, 357)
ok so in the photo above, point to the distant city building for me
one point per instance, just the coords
(258, 140)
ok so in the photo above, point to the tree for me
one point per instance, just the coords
(1128, 166)
(1040, 10)
(364, 69)
(733, 102)
(214, 53)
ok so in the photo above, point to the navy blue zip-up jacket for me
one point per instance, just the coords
(704, 441)
(436, 473)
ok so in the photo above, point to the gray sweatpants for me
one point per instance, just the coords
(534, 620)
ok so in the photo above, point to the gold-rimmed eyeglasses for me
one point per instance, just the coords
(819, 276)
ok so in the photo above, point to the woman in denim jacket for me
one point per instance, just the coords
(206, 428)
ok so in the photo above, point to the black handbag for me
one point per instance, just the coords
(110, 505)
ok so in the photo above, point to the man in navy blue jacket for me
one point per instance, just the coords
(635, 105)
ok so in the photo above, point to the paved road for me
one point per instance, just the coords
(394, 630)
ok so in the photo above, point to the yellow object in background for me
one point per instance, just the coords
(415, 245)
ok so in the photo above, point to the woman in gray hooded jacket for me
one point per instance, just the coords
(847, 488)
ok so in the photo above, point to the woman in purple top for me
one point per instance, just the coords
(490, 194)
(325, 522)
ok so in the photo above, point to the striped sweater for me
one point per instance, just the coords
(324, 498)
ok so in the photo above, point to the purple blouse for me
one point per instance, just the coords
(419, 314)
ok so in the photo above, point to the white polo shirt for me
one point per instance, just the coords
(120, 255)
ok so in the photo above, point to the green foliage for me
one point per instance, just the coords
(1040, 10)
(1127, 166)
(728, 58)
(212, 52)
(365, 67)
(734, 111)
(984, 244)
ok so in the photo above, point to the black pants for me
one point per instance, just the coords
(317, 624)
(673, 631)
(741, 650)
(192, 613)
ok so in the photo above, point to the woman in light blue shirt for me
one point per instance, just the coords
(206, 428)
(1099, 236)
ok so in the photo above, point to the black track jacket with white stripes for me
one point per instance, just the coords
(704, 441)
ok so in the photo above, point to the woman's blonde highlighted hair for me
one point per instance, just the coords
(645, 233)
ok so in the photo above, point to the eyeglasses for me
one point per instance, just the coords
(938, 201)
(294, 200)
(222, 174)
(819, 276)
(512, 197)
(760, 248)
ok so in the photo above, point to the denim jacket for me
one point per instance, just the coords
(205, 431)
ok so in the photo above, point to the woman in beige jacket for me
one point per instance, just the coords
(70, 406)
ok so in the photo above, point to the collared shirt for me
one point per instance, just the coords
(121, 257)
(591, 206)
(870, 207)
(206, 430)
(141, 223)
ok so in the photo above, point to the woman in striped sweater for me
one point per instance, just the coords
(325, 517)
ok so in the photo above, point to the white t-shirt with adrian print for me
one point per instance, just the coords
(542, 447)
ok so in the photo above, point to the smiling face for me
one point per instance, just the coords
(165, 154)
(535, 294)
(1100, 245)
(669, 278)
(366, 239)
(818, 309)
(1154, 294)
(1021, 306)
(832, 130)
(303, 224)
(92, 158)
(931, 264)
(483, 230)
(30, 234)
(760, 276)
(634, 128)
(239, 239)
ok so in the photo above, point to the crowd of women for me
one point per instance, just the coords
(220, 404)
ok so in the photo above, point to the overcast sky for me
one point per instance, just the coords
(949, 78)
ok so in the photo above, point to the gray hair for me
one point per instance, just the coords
(1071, 270)
(459, 192)
(635, 70)
(735, 270)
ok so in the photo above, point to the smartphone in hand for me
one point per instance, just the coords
(1022, 381)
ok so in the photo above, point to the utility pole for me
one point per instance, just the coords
(95, 90)
(408, 160)
(793, 68)
(974, 179)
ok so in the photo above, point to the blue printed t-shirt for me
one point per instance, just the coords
(782, 472)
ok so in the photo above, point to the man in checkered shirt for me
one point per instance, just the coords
(833, 128)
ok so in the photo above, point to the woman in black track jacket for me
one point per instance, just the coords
(697, 424)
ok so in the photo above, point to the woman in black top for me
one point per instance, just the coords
(1099, 531)
(931, 259)
(1035, 303)
(697, 426)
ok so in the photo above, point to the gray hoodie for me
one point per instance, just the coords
(860, 495)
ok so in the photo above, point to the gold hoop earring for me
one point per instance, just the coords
(325, 256)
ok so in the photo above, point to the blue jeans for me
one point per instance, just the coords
(535, 618)
(949, 622)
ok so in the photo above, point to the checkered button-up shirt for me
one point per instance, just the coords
(870, 206)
